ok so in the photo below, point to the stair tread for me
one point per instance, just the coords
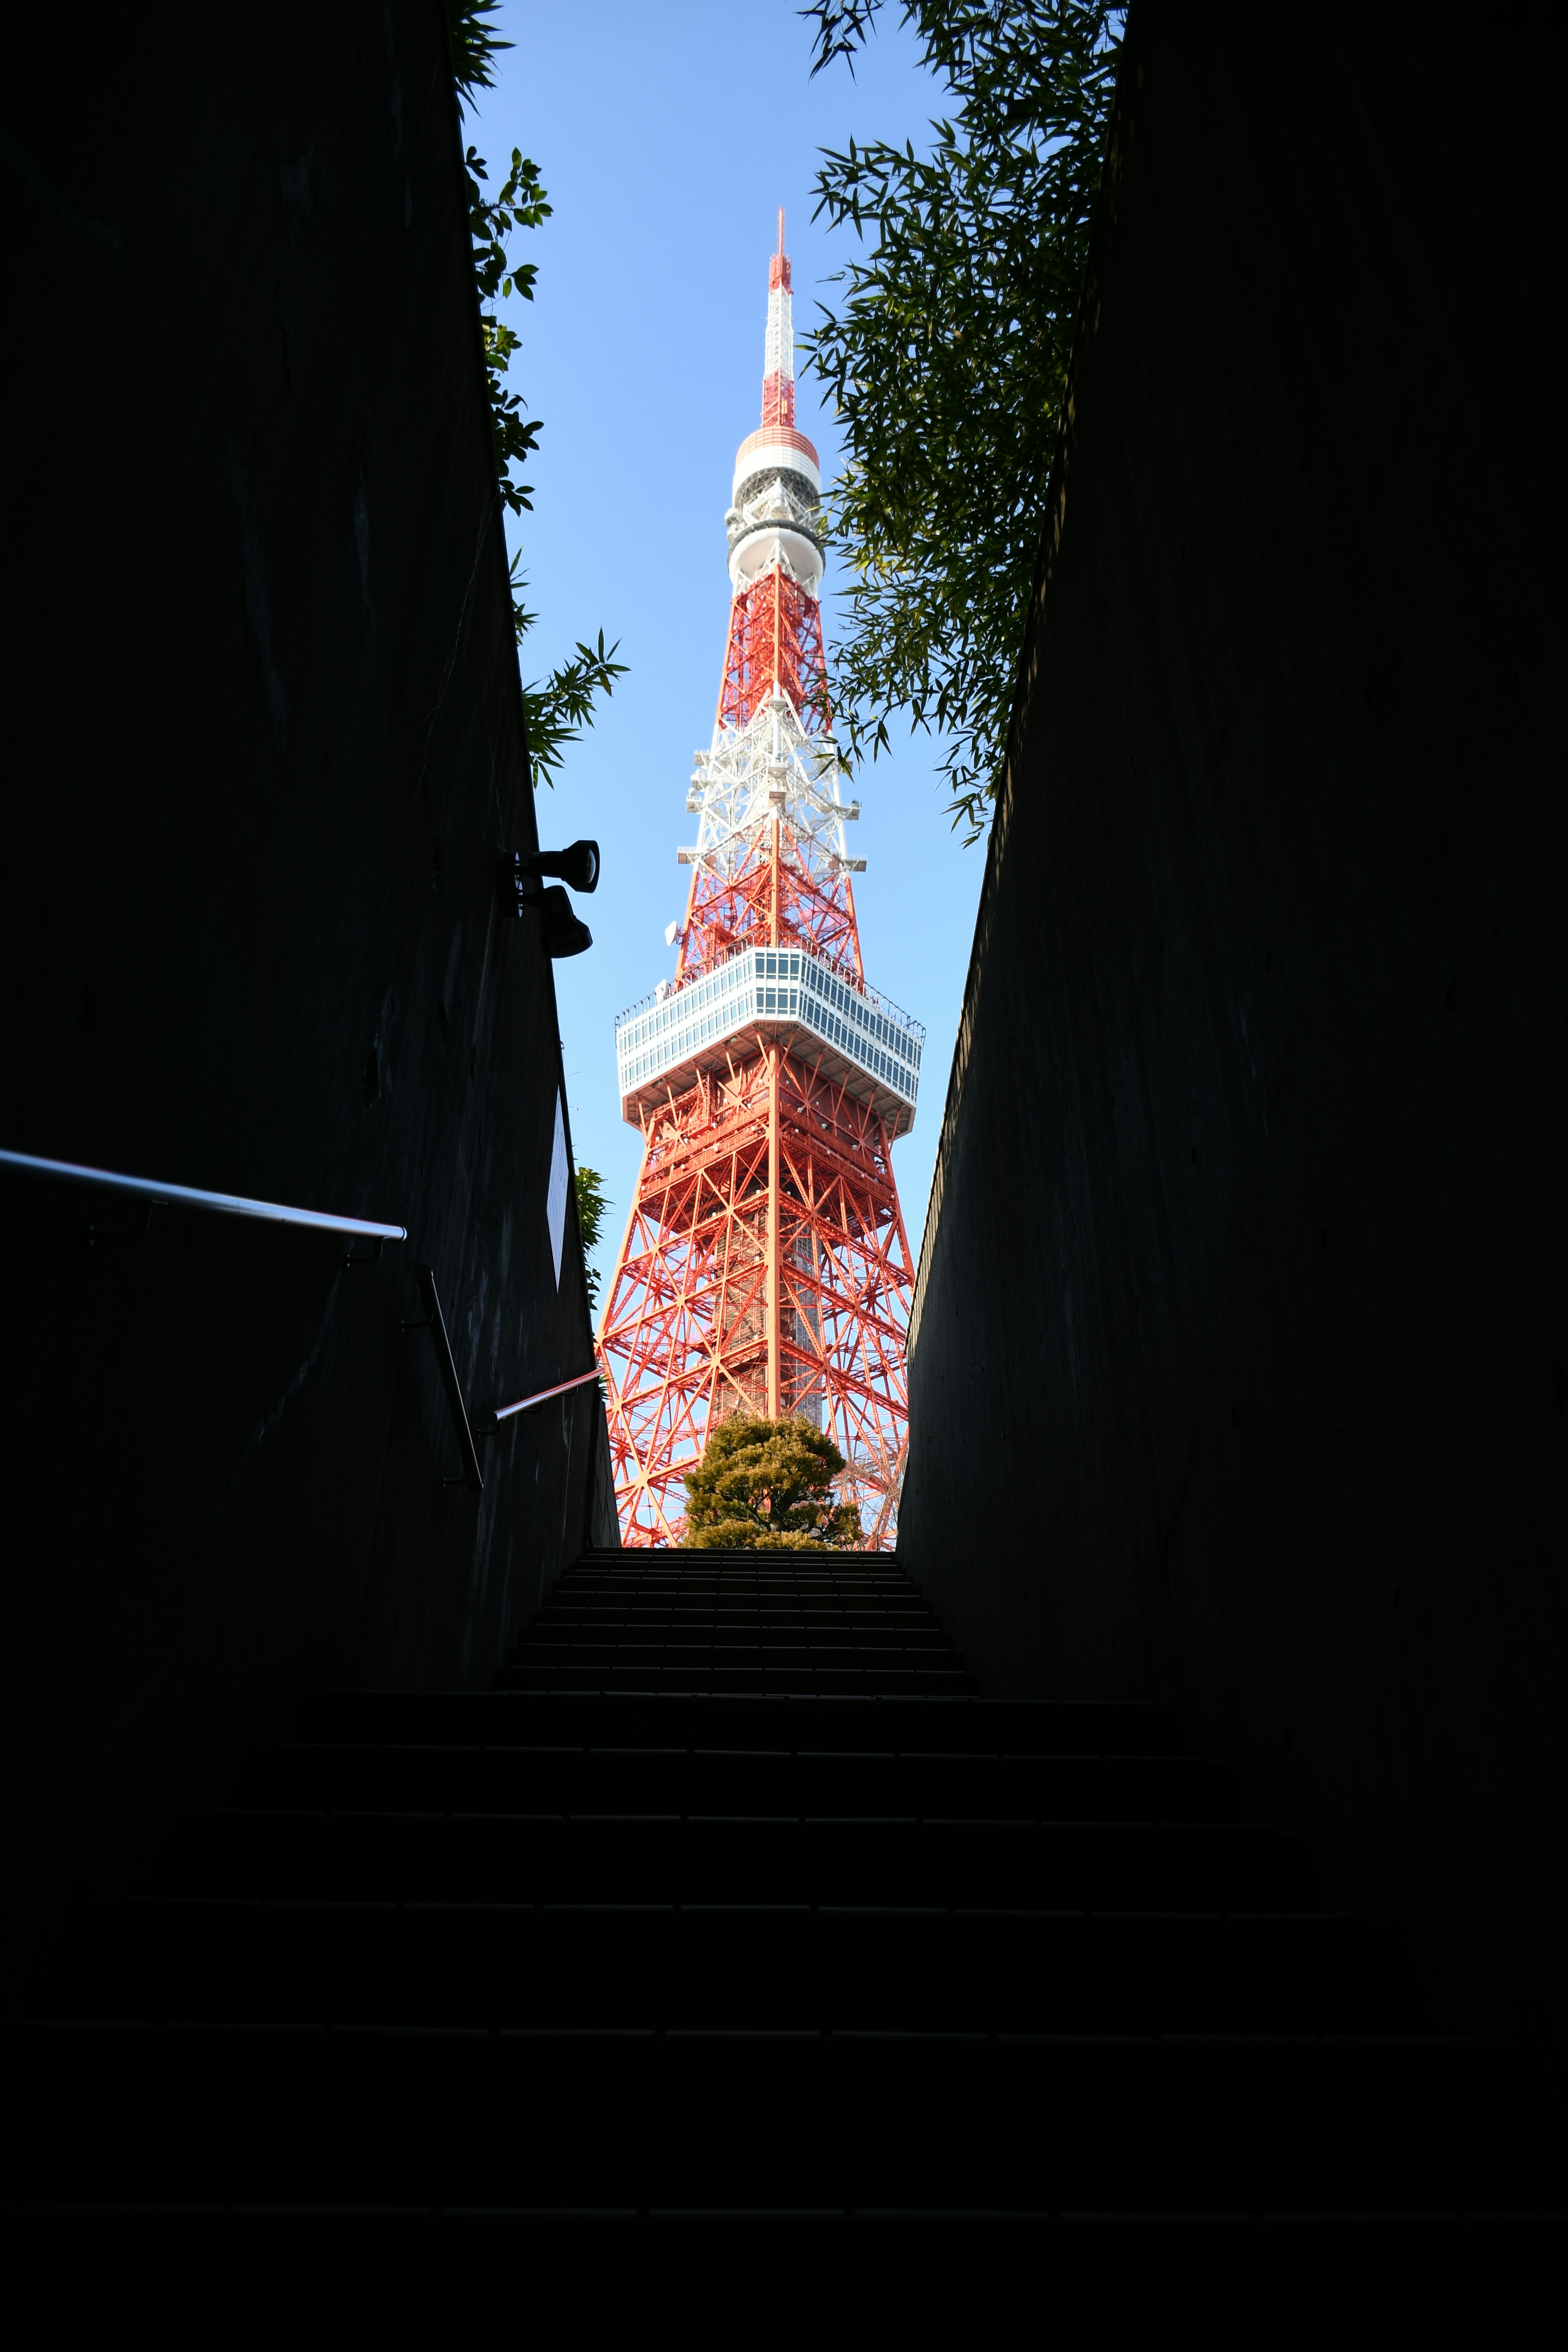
(885, 2117)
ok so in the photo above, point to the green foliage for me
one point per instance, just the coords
(556, 709)
(767, 1485)
(591, 1207)
(522, 202)
(947, 360)
(474, 45)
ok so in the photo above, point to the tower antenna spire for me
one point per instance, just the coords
(765, 1268)
(778, 361)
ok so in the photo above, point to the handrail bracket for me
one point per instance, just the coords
(435, 1322)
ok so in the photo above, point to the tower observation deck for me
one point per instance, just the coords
(764, 1267)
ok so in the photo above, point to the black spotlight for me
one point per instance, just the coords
(578, 866)
(564, 934)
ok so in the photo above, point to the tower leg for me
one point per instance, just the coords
(776, 1250)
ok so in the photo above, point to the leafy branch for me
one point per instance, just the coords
(521, 202)
(475, 45)
(592, 1208)
(556, 709)
(947, 360)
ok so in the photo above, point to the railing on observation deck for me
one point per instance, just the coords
(771, 984)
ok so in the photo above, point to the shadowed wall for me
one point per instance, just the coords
(264, 750)
(1238, 1378)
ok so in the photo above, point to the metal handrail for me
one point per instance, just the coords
(235, 1204)
(436, 1324)
(505, 1412)
(189, 1196)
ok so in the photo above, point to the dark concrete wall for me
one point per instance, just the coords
(1239, 1376)
(263, 748)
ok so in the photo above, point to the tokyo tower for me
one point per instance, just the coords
(765, 1268)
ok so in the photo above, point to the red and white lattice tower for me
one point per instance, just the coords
(765, 1268)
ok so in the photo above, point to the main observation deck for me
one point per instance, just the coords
(857, 1038)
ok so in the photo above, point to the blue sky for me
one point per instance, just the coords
(668, 137)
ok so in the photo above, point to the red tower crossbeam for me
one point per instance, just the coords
(775, 639)
(766, 1267)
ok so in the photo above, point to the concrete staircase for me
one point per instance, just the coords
(736, 1938)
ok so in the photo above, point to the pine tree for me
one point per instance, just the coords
(767, 1485)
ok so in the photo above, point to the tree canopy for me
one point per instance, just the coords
(558, 707)
(947, 358)
(767, 1485)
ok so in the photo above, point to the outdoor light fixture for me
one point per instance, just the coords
(562, 933)
(578, 866)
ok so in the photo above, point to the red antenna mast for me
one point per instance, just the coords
(765, 1268)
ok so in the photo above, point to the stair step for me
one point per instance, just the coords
(788, 1629)
(763, 1967)
(638, 1858)
(755, 1654)
(957, 2122)
(833, 1724)
(614, 1672)
(590, 2275)
(830, 1602)
(331, 1776)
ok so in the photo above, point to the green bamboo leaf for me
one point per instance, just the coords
(946, 359)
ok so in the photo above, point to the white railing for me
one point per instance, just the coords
(770, 984)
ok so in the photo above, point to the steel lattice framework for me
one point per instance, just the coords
(766, 1267)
